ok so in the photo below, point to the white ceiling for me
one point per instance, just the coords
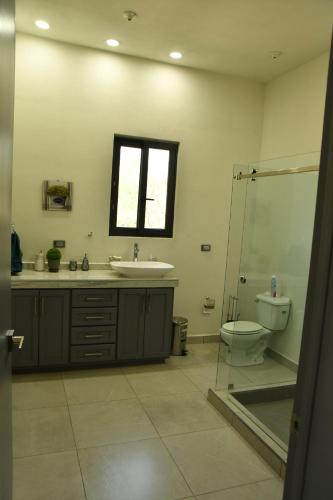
(226, 36)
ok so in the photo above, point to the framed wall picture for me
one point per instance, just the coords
(57, 195)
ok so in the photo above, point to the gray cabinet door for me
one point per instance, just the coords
(131, 317)
(158, 323)
(54, 327)
(25, 322)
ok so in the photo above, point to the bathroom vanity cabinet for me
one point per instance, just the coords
(42, 317)
(77, 327)
(145, 323)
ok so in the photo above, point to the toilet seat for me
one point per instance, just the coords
(242, 327)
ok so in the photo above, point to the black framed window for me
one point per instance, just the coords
(143, 187)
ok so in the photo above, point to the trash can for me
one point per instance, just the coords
(180, 326)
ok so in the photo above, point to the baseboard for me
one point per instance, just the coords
(282, 359)
(203, 339)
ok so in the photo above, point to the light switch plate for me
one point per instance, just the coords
(206, 247)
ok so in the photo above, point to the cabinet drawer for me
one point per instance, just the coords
(92, 316)
(93, 335)
(94, 298)
(93, 353)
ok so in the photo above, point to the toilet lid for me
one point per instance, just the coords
(242, 327)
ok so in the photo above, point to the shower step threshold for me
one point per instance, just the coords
(267, 445)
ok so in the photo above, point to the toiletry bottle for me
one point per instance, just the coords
(278, 287)
(39, 261)
(273, 286)
(72, 265)
(85, 263)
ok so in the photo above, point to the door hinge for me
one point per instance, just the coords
(294, 423)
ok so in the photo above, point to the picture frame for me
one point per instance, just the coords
(57, 195)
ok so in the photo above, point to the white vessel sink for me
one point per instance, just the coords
(142, 269)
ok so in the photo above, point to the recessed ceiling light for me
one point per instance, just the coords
(42, 25)
(176, 55)
(112, 43)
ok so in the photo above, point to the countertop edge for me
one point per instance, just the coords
(25, 283)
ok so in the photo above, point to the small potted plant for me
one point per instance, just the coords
(53, 259)
(58, 193)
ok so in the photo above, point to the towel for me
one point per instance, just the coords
(16, 254)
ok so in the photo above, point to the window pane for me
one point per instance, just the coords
(157, 184)
(128, 188)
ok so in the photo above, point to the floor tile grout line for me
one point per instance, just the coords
(194, 383)
(241, 485)
(165, 394)
(188, 378)
(118, 443)
(139, 398)
(48, 407)
(163, 436)
(102, 401)
(166, 448)
(65, 450)
(274, 475)
(131, 386)
(178, 467)
(158, 436)
(64, 405)
(76, 448)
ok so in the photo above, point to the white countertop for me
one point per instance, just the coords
(87, 279)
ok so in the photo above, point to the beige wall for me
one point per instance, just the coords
(293, 121)
(293, 113)
(69, 103)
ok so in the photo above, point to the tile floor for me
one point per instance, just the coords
(135, 433)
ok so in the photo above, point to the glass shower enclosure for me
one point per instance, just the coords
(270, 234)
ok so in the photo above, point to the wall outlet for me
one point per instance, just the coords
(206, 247)
(59, 243)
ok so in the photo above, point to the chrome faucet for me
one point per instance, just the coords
(136, 252)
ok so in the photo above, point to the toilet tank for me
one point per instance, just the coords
(273, 312)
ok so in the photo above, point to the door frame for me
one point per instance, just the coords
(309, 469)
(7, 83)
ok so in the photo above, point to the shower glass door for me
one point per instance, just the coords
(271, 226)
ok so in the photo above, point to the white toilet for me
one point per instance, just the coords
(246, 341)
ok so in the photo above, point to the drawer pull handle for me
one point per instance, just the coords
(94, 336)
(92, 354)
(90, 299)
(94, 317)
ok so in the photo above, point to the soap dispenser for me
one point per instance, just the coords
(39, 261)
(85, 263)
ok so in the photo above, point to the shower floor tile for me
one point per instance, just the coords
(275, 415)
(270, 372)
